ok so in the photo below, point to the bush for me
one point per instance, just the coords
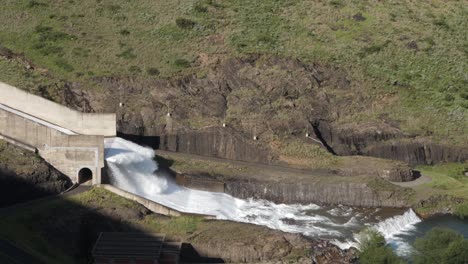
(152, 71)
(376, 48)
(61, 63)
(124, 32)
(375, 251)
(185, 23)
(336, 3)
(200, 8)
(47, 33)
(461, 210)
(32, 4)
(441, 246)
(182, 63)
(134, 69)
(449, 98)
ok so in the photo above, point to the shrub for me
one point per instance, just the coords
(47, 49)
(152, 71)
(33, 3)
(63, 64)
(440, 245)
(449, 98)
(182, 63)
(461, 210)
(200, 8)
(372, 49)
(124, 32)
(47, 33)
(336, 3)
(441, 23)
(375, 251)
(134, 69)
(185, 23)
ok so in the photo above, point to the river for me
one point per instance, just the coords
(134, 170)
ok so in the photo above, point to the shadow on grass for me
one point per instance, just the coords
(64, 229)
(16, 189)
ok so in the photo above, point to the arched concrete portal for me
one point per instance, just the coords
(85, 175)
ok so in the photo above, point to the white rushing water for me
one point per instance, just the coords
(392, 227)
(134, 170)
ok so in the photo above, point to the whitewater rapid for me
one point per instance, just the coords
(135, 170)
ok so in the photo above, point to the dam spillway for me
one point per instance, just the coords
(134, 170)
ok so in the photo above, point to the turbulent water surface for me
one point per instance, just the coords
(134, 170)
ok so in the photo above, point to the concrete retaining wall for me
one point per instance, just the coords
(67, 153)
(152, 206)
(81, 123)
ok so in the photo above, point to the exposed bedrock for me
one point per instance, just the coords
(217, 142)
(345, 193)
(261, 96)
(385, 141)
(363, 191)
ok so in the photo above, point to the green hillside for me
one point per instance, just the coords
(408, 57)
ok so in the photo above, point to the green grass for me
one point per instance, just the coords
(448, 178)
(178, 226)
(408, 57)
(448, 182)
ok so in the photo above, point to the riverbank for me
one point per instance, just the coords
(442, 189)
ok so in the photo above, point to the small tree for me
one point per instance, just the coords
(441, 246)
(375, 251)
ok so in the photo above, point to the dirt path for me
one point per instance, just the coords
(419, 181)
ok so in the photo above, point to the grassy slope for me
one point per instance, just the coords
(410, 57)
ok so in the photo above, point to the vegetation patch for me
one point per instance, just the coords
(461, 210)
(448, 186)
(374, 249)
(440, 245)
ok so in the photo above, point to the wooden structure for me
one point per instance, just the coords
(135, 248)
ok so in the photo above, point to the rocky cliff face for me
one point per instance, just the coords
(256, 96)
(385, 141)
(345, 193)
(25, 176)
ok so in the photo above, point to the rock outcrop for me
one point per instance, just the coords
(256, 96)
(386, 141)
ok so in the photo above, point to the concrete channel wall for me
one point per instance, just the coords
(152, 206)
(80, 123)
(67, 153)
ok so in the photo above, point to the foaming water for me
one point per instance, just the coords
(134, 170)
(392, 227)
